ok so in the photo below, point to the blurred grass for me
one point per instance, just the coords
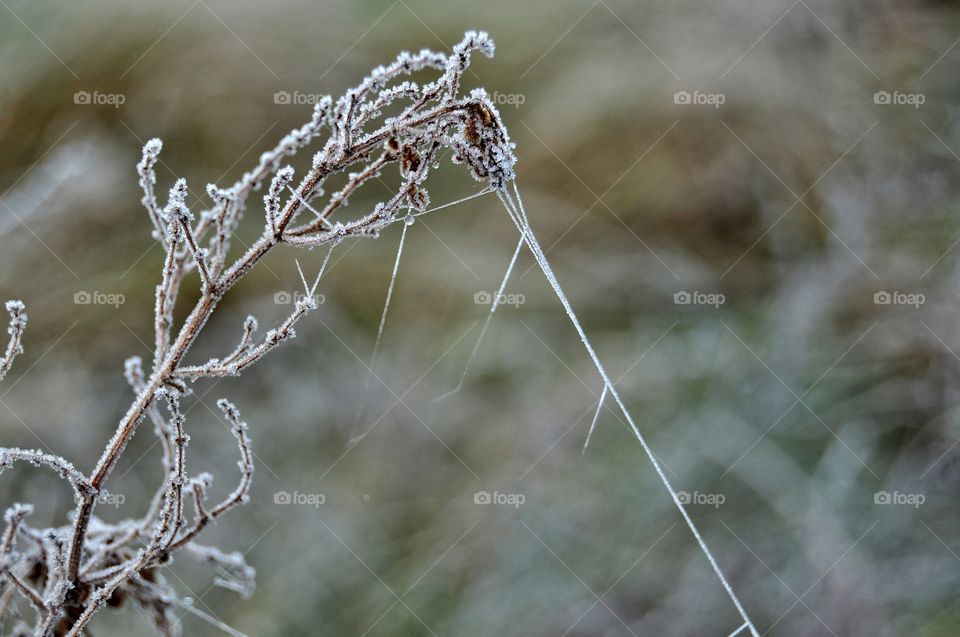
(637, 198)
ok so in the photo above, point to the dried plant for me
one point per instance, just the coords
(18, 323)
(68, 573)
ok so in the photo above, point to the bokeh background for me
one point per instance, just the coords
(813, 426)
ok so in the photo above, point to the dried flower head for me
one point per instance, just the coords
(68, 573)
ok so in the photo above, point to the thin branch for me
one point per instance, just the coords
(15, 329)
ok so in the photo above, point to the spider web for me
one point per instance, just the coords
(513, 206)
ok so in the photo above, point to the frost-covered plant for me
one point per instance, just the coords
(18, 323)
(68, 573)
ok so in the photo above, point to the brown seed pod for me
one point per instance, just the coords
(472, 132)
(485, 115)
(409, 159)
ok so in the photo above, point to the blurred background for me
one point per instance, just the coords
(752, 206)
